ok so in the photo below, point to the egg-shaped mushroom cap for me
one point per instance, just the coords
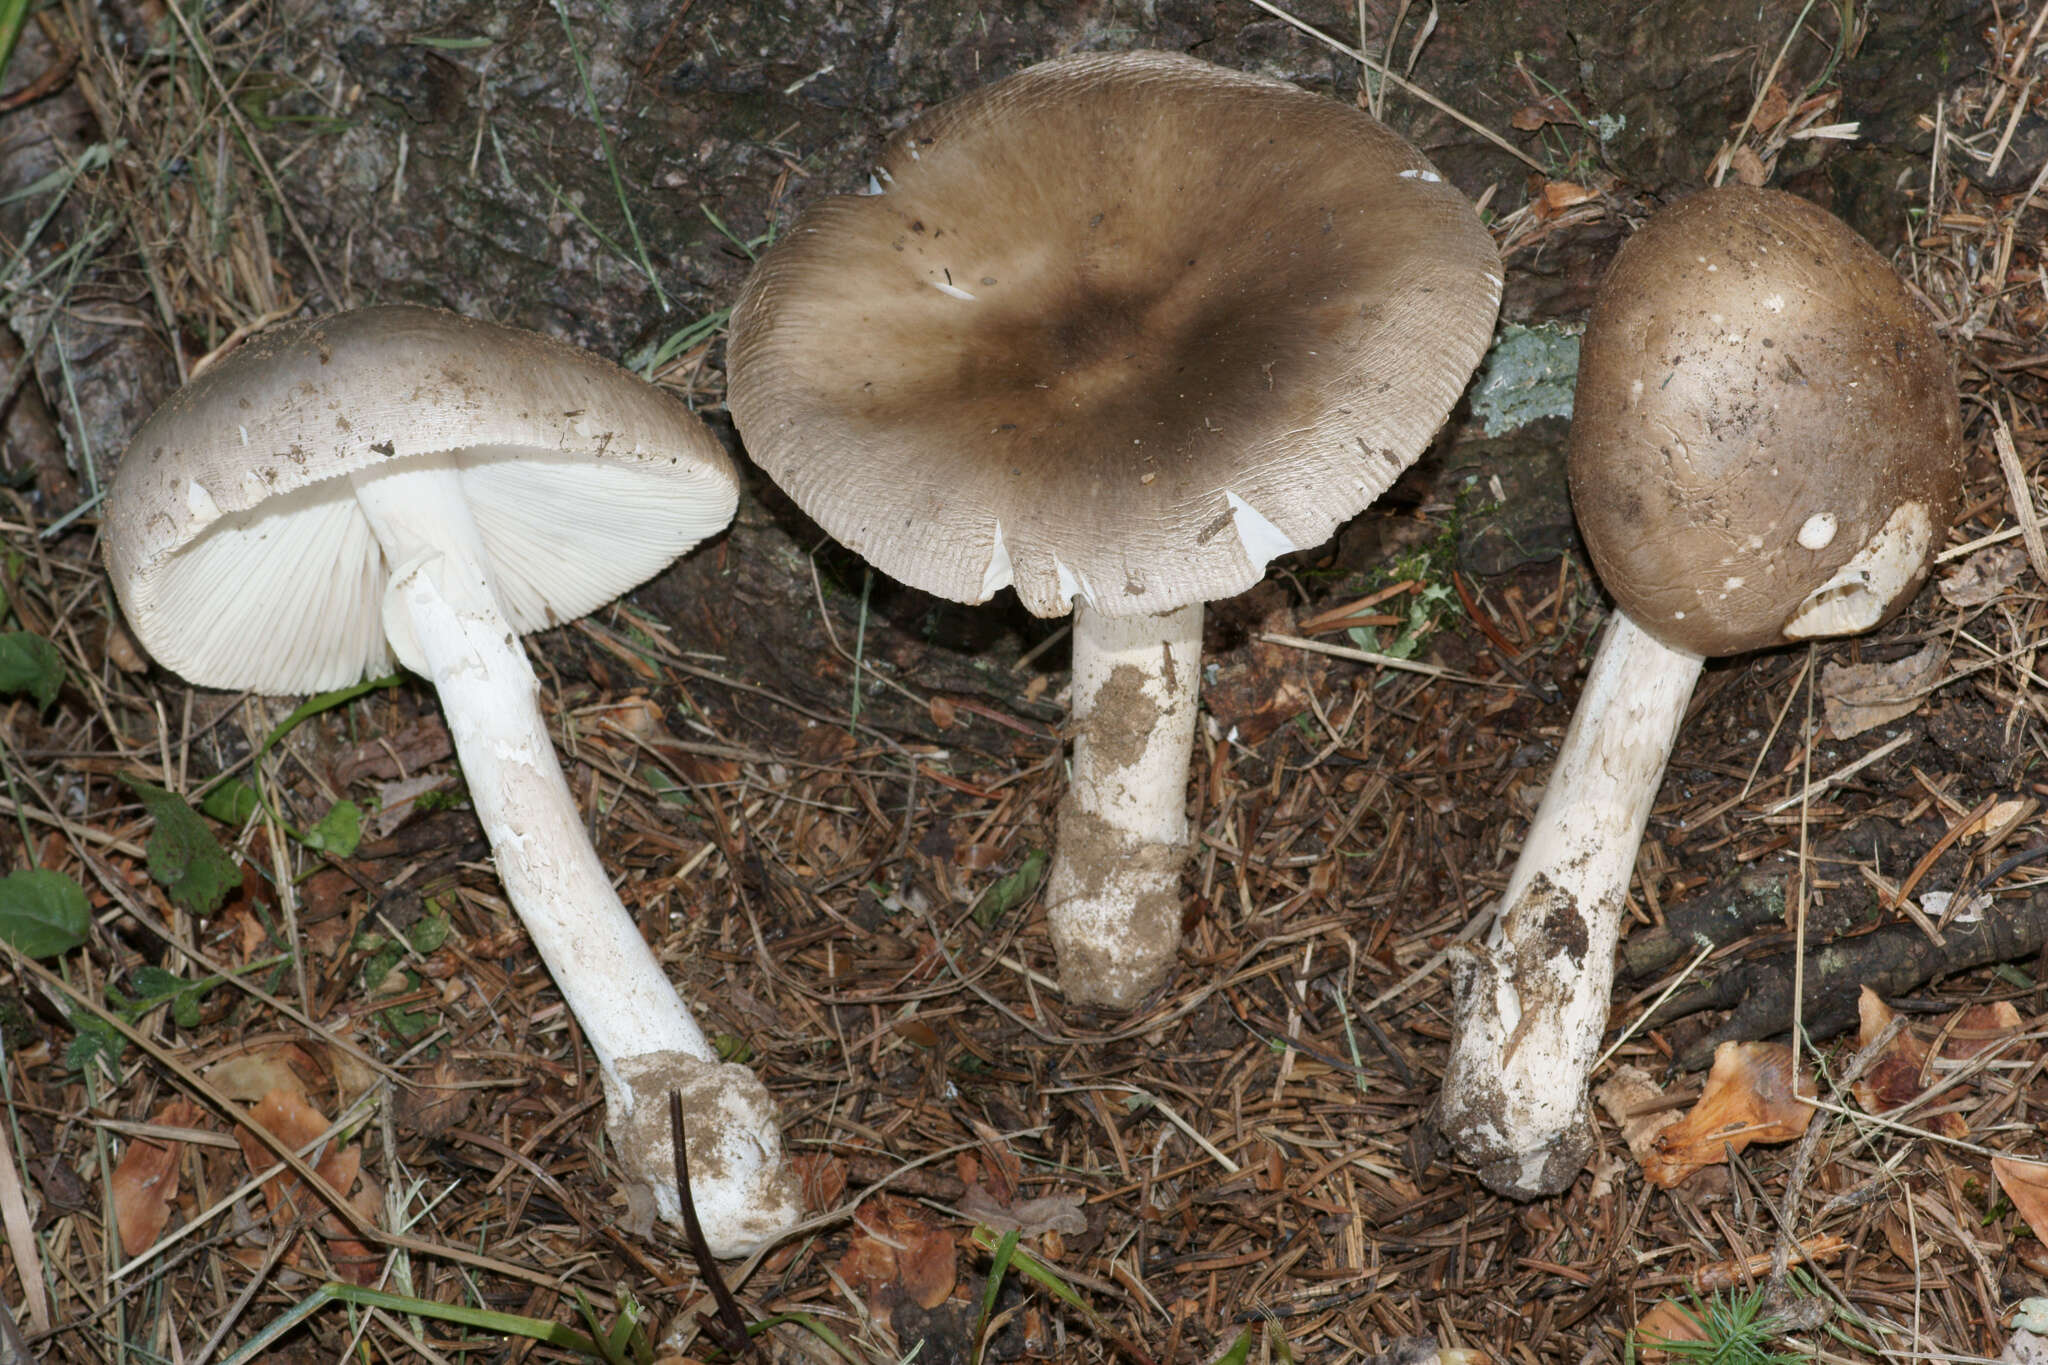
(1121, 327)
(234, 540)
(1766, 444)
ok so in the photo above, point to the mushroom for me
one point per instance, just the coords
(1766, 448)
(1115, 331)
(402, 481)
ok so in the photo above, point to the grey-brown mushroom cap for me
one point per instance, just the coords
(233, 537)
(1766, 443)
(1119, 327)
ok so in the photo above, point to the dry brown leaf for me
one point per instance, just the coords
(1984, 576)
(1005, 1173)
(1893, 1077)
(398, 801)
(1996, 819)
(1667, 1323)
(145, 1183)
(895, 1244)
(1749, 168)
(1628, 1097)
(1900, 1074)
(1978, 1027)
(1771, 109)
(287, 1115)
(1859, 697)
(1059, 1213)
(1549, 109)
(1750, 1097)
(437, 1101)
(1555, 197)
(2026, 1184)
(822, 1178)
(1898, 1240)
(249, 1076)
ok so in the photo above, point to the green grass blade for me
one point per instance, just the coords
(13, 14)
(998, 1267)
(507, 1324)
(815, 1328)
(611, 160)
(1039, 1273)
(326, 701)
(1240, 1350)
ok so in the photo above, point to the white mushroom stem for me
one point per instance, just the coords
(444, 620)
(1114, 889)
(1532, 1003)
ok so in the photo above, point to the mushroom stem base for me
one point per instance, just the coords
(612, 982)
(1114, 887)
(1532, 1003)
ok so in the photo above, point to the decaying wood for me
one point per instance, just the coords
(1891, 960)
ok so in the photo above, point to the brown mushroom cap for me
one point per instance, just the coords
(233, 536)
(1119, 326)
(1766, 444)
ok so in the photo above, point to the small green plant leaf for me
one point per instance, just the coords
(337, 832)
(232, 802)
(1240, 1350)
(405, 1023)
(184, 857)
(31, 664)
(429, 932)
(92, 1038)
(1007, 893)
(154, 986)
(43, 913)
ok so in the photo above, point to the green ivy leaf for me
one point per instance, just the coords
(31, 664)
(232, 802)
(43, 913)
(338, 832)
(92, 1038)
(406, 1023)
(153, 986)
(184, 856)
(1007, 893)
(428, 933)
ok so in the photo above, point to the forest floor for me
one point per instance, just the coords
(828, 801)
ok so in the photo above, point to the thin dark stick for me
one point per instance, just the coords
(731, 1330)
